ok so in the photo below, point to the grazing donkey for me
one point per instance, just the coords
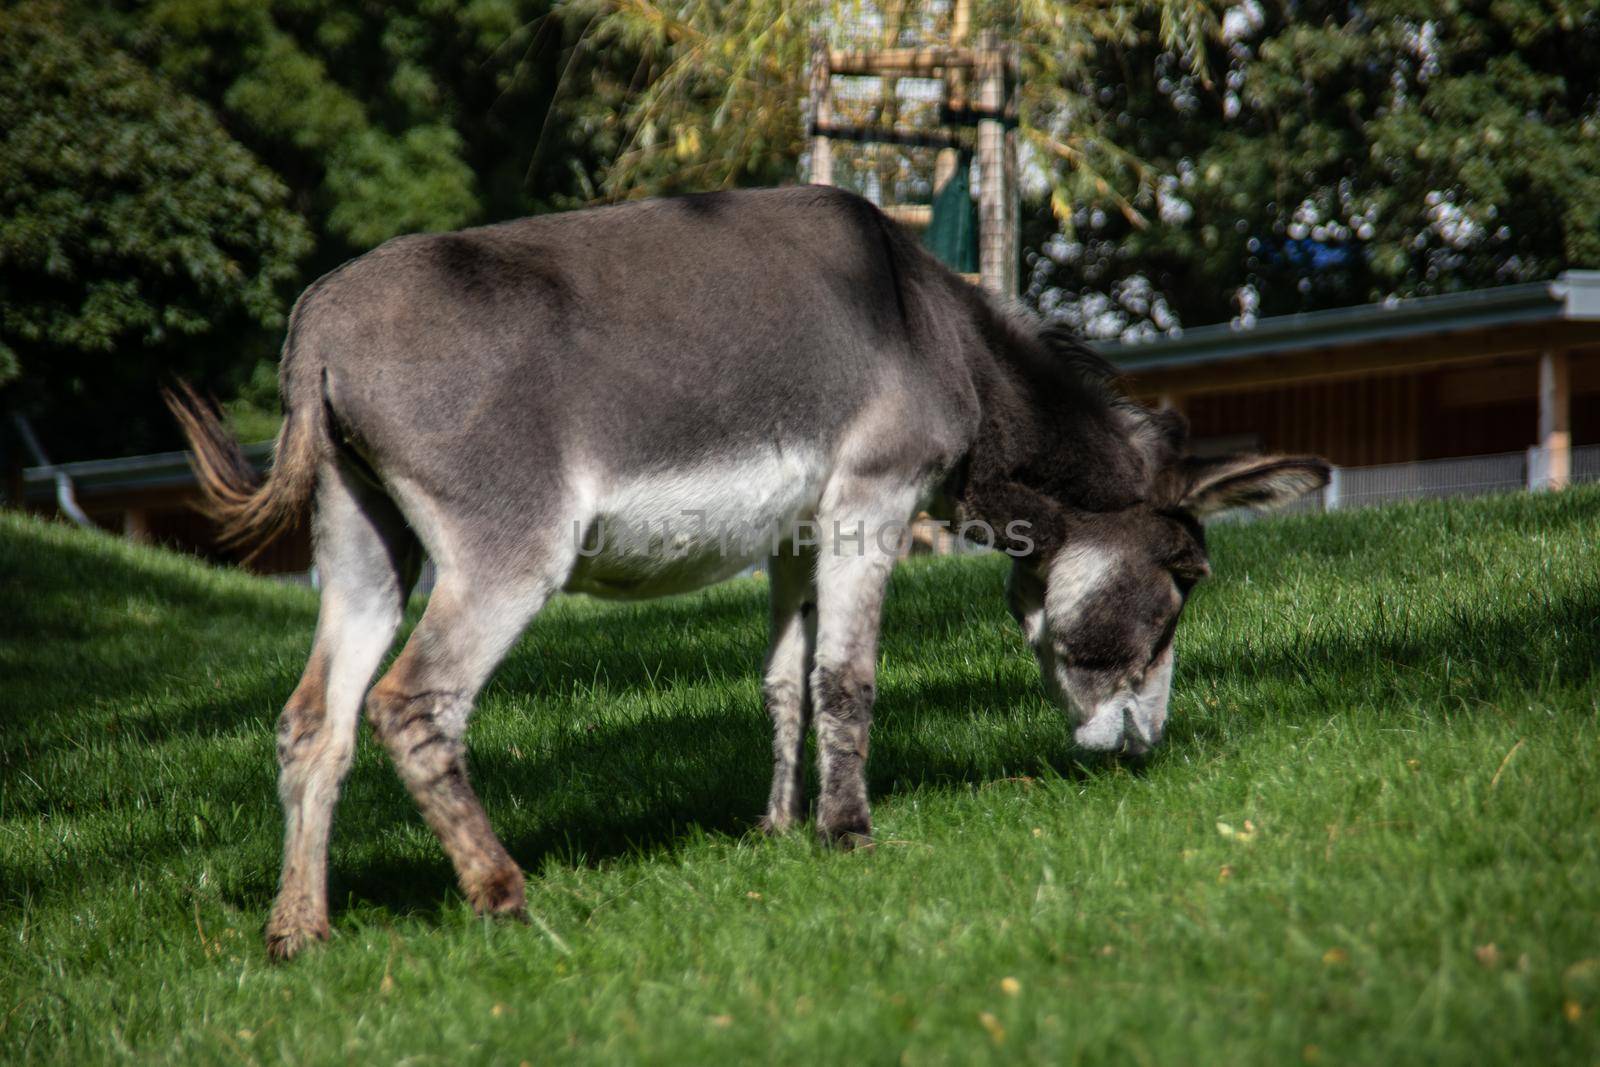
(787, 361)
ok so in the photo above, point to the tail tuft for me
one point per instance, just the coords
(251, 512)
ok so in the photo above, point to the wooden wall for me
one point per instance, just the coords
(168, 517)
(1353, 423)
(1473, 409)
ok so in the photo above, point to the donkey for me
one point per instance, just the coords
(786, 360)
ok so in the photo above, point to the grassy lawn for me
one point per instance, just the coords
(1371, 838)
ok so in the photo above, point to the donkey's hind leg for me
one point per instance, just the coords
(366, 559)
(785, 684)
(420, 708)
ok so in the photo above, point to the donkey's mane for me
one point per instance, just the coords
(1080, 395)
(1049, 354)
(1074, 359)
(1055, 356)
(1160, 436)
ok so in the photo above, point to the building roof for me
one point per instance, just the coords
(1572, 297)
(160, 470)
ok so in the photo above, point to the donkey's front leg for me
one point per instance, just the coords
(785, 688)
(853, 566)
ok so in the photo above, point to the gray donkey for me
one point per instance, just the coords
(786, 361)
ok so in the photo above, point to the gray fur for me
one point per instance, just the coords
(783, 355)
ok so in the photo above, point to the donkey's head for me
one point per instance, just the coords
(1100, 610)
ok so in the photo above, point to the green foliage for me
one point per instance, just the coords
(130, 222)
(171, 172)
(310, 133)
(382, 185)
(1369, 838)
(376, 182)
(385, 119)
(696, 96)
(1347, 153)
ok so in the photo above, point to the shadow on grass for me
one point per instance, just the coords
(608, 793)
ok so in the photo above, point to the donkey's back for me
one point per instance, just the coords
(631, 334)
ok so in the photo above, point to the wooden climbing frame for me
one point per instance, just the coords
(987, 71)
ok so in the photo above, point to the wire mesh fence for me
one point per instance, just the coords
(1355, 487)
(1504, 472)
(1586, 463)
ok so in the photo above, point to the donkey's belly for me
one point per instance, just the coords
(676, 531)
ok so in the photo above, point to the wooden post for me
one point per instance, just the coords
(960, 22)
(1012, 235)
(888, 98)
(944, 168)
(955, 92)
(996, 242)
(821, 112)
(136, 525)
(1555, 417)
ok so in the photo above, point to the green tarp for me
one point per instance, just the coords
(952, 234)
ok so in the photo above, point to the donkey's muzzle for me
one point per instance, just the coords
(1118, 730)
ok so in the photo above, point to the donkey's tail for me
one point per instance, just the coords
(252, 511)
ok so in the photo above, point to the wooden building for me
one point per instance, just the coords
(1495, 371)
(155, 499)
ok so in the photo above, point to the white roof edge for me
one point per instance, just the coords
(1579, 293)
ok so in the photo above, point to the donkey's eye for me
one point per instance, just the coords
(1163, 640)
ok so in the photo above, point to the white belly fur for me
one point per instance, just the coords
(719, 519)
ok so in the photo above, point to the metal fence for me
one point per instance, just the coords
(1505, 472)
(1586, 464)
(1354, 487)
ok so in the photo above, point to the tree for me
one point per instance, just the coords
(135, 234)
(366, 121)
(383, 118)
(1347, 153)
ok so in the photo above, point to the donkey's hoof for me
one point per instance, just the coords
(297, 921)
(286, 939)
(847, 835)
(773, 824)
(501, 895)
(855, 843)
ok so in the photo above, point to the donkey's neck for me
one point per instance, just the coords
(1053, 440)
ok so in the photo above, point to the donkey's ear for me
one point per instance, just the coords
(1171, 424)
(1214, 485)
(1159, 434)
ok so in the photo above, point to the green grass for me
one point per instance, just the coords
(1384, 758)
